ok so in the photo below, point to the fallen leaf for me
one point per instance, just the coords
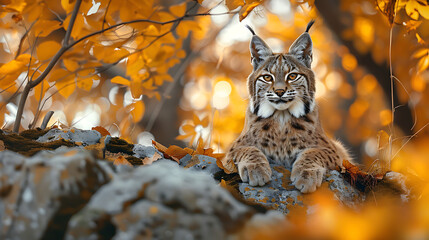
(122, 161)
(358, 178)
(101, 130)
(176, 152)
(159, 146)
(149, 160)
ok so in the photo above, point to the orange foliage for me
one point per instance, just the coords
(101, 130)
(122, 53)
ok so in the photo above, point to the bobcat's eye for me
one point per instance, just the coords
(267, 78)
(292, 76)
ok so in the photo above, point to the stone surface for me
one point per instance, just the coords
(41, 193)
(86, 137)
(281, 195)
(161, 201)
(67, 193)
(200, 162)
(141, 151)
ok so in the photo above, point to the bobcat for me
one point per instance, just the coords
(282, 123)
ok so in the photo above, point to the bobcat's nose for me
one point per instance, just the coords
(279, 92)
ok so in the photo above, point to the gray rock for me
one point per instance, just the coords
(86, 137)
(40, 193)
(200, 162)
(141, 151)
(281, 195)
(161, 201)
(345, 193)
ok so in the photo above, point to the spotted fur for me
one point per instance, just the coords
(282, 123)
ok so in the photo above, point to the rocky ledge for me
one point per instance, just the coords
(76, 192)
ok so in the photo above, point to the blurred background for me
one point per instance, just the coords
(175, 71)
(185, 82)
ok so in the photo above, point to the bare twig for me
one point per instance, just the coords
(23, 39)
(105, 13)
(31, 84)
(46, 119)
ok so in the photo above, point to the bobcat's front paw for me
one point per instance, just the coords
(307, 180)
(257, 174)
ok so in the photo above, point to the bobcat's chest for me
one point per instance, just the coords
(282, 141)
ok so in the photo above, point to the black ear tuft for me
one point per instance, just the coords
(259, 50)
(251, 30)
(302, 48)
(309, 25)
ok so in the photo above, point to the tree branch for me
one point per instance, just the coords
(66, 46)
(71, 23)
(54, 60)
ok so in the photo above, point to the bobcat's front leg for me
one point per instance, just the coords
(310, 167)
(253, 166)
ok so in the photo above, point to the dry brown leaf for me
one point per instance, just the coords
(121, 160)
(149, 160)
(159, 146)
(176, 152)
(358, 178)
(101, 130)
(248, 7)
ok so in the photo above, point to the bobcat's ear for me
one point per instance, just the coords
(302, 48)
(258, 49)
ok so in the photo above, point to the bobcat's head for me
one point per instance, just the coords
(282, 81)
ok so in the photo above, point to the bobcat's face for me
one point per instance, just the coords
(281, 82)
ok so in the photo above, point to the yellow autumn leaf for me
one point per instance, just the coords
(66, 86)
(43, 28)
(11, 67)
(187, 26)
(247, 8)
(116, 55)
(7, 82)
(25, 58)
(133, 67)
(86, 83)
(138, 111)
(71, 65)
(78, 26)
(233, 4)
(40, 89)
(159, 79)
(424, 11)
(58, 74)
(136, 88)
(67, 5)
(423, 63)
(421, 52)
(411, 9)
(178, 10)
(47, 50)
(120, 80)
